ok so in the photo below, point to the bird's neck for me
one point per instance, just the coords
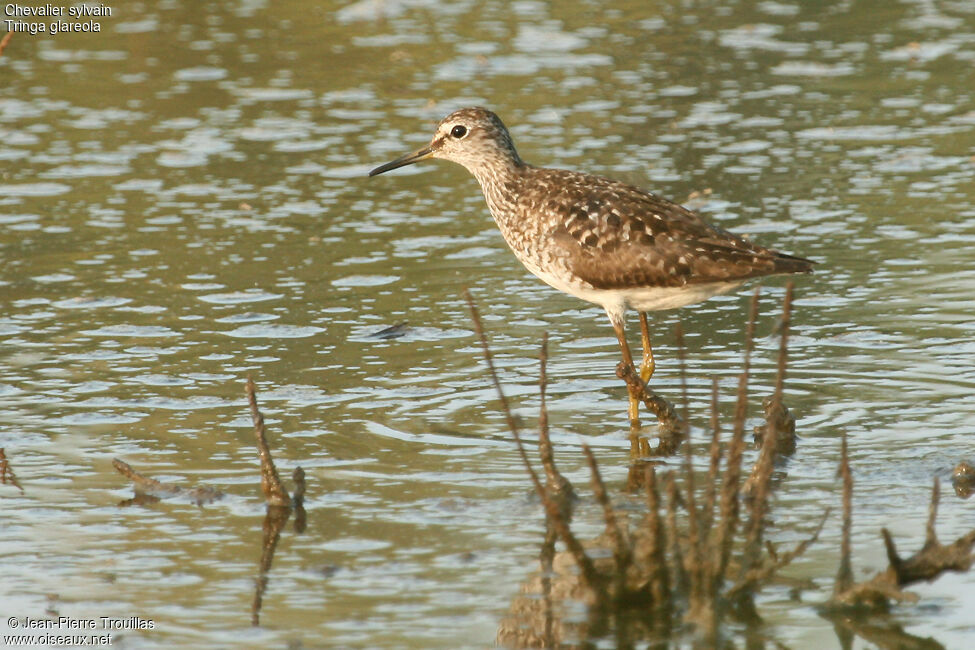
(501, 182)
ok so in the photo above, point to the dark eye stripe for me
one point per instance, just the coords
(458, 131)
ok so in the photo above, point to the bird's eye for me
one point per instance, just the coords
(458, 131)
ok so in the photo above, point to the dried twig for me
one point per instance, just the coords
(676, 554)
(158, 489)
(714, 463)
(695, 556)
(760, 484)
(669, 564)
(784, 325)
(844, 576)
(298, 499)
(505, 408)
(4, 41)
(274, 520)
(934, 558)
(622, 550)
(875, 594)
(682, 370)
(7, 475)
(279, 504)
(274, 491)
(655, 557)
(725, 532)
(552, 510)
(778, 421)
(557, 485)
(760, 572)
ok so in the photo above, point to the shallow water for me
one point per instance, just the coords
(183, 203)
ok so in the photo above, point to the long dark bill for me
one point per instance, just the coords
(403, 161)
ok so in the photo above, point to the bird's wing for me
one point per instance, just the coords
(615, 236)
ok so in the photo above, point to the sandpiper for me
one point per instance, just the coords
(600, 240)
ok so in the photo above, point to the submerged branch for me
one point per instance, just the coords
(150, 486)
(934, 558)
(274, 491)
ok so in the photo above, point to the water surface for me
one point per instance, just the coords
(183, 203)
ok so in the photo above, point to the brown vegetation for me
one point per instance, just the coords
(4, 41)
(279, 504)
(7, 476)
(700, 553)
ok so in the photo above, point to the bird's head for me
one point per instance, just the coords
(473, 137)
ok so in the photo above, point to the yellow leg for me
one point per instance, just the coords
(634, 409)
(646, 370)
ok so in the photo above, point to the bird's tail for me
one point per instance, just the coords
(785, 263)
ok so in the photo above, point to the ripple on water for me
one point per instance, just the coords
(470, 253)
(270, 129)
(95, 355)
(196, 145)
(52, 278)
(364, 280)
(432, 334)
(237, 297)
(94, 418)
(531, 38)
(91, 302)
(149, 24)
(423, 439)
(201, 286)
(7, 389)
(272, 94)
(181, 159)
(302, 145)
(274, 331)
(18, 218)
(194, 403)
(918, 159)
(760, 36)
(161, 380)
(51, 53)
(139, 185)
(920, 51)
(201, 73)
(860, 132)
(305, 208)
(248, 317)
(345, 171)
(95, 386)
(34, 189)
(813, 69)
(463, 68)
(85, 171)
(356, 545)
(403, 434)
(126, 330)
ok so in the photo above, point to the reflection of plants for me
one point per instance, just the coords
(279, 504)
(693, 560)
(853, 605)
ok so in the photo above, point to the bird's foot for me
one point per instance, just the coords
(666, 414)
